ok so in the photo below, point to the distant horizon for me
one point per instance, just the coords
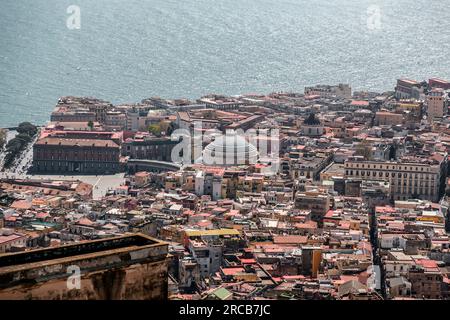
(126, 52)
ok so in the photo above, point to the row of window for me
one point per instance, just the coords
(87, 157)
(387, 174)
(65, 166)
(387, 167)
(422, 191)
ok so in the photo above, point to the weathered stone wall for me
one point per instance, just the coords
(127, 267)
(134, 282)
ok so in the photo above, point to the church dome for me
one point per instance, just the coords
(312, 126)
(312, 120)
(229, 150)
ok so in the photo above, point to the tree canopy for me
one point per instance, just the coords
(27, 128)
(2, 137)
(364, 148)
(161, 128)
(25, 133)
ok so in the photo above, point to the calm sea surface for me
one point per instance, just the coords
(132, 49)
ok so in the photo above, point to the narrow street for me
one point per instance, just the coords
(376, 257)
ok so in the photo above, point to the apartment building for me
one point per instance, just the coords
(208, 255)
(315, 201)
(407, 89)
(343, 91)
(437, 103)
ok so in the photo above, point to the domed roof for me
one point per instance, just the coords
(312, 120)
(229, 150)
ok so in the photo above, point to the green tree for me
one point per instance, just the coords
(2, 137)
(171, 128)
(23, 137)
(161, 128)
(154, 129)
(26, 131)
(364, 149)
(393, 152)
(14, 147)
(27, 128)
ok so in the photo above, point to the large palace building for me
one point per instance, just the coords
(83, 156)
(416, 178)
(149, 148)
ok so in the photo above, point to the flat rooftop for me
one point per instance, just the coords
(77, 142)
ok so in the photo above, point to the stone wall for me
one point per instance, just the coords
(136, 282)
(138, 270)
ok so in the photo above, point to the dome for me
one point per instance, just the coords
(312, 120)
(229, 150)
(312, 126)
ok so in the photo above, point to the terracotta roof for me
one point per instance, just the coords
(21, 204)
(248, 261)
(12, 237)
(290, 239)
(232, 271)
(360, 103)
(427, 264)
(85, 222)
